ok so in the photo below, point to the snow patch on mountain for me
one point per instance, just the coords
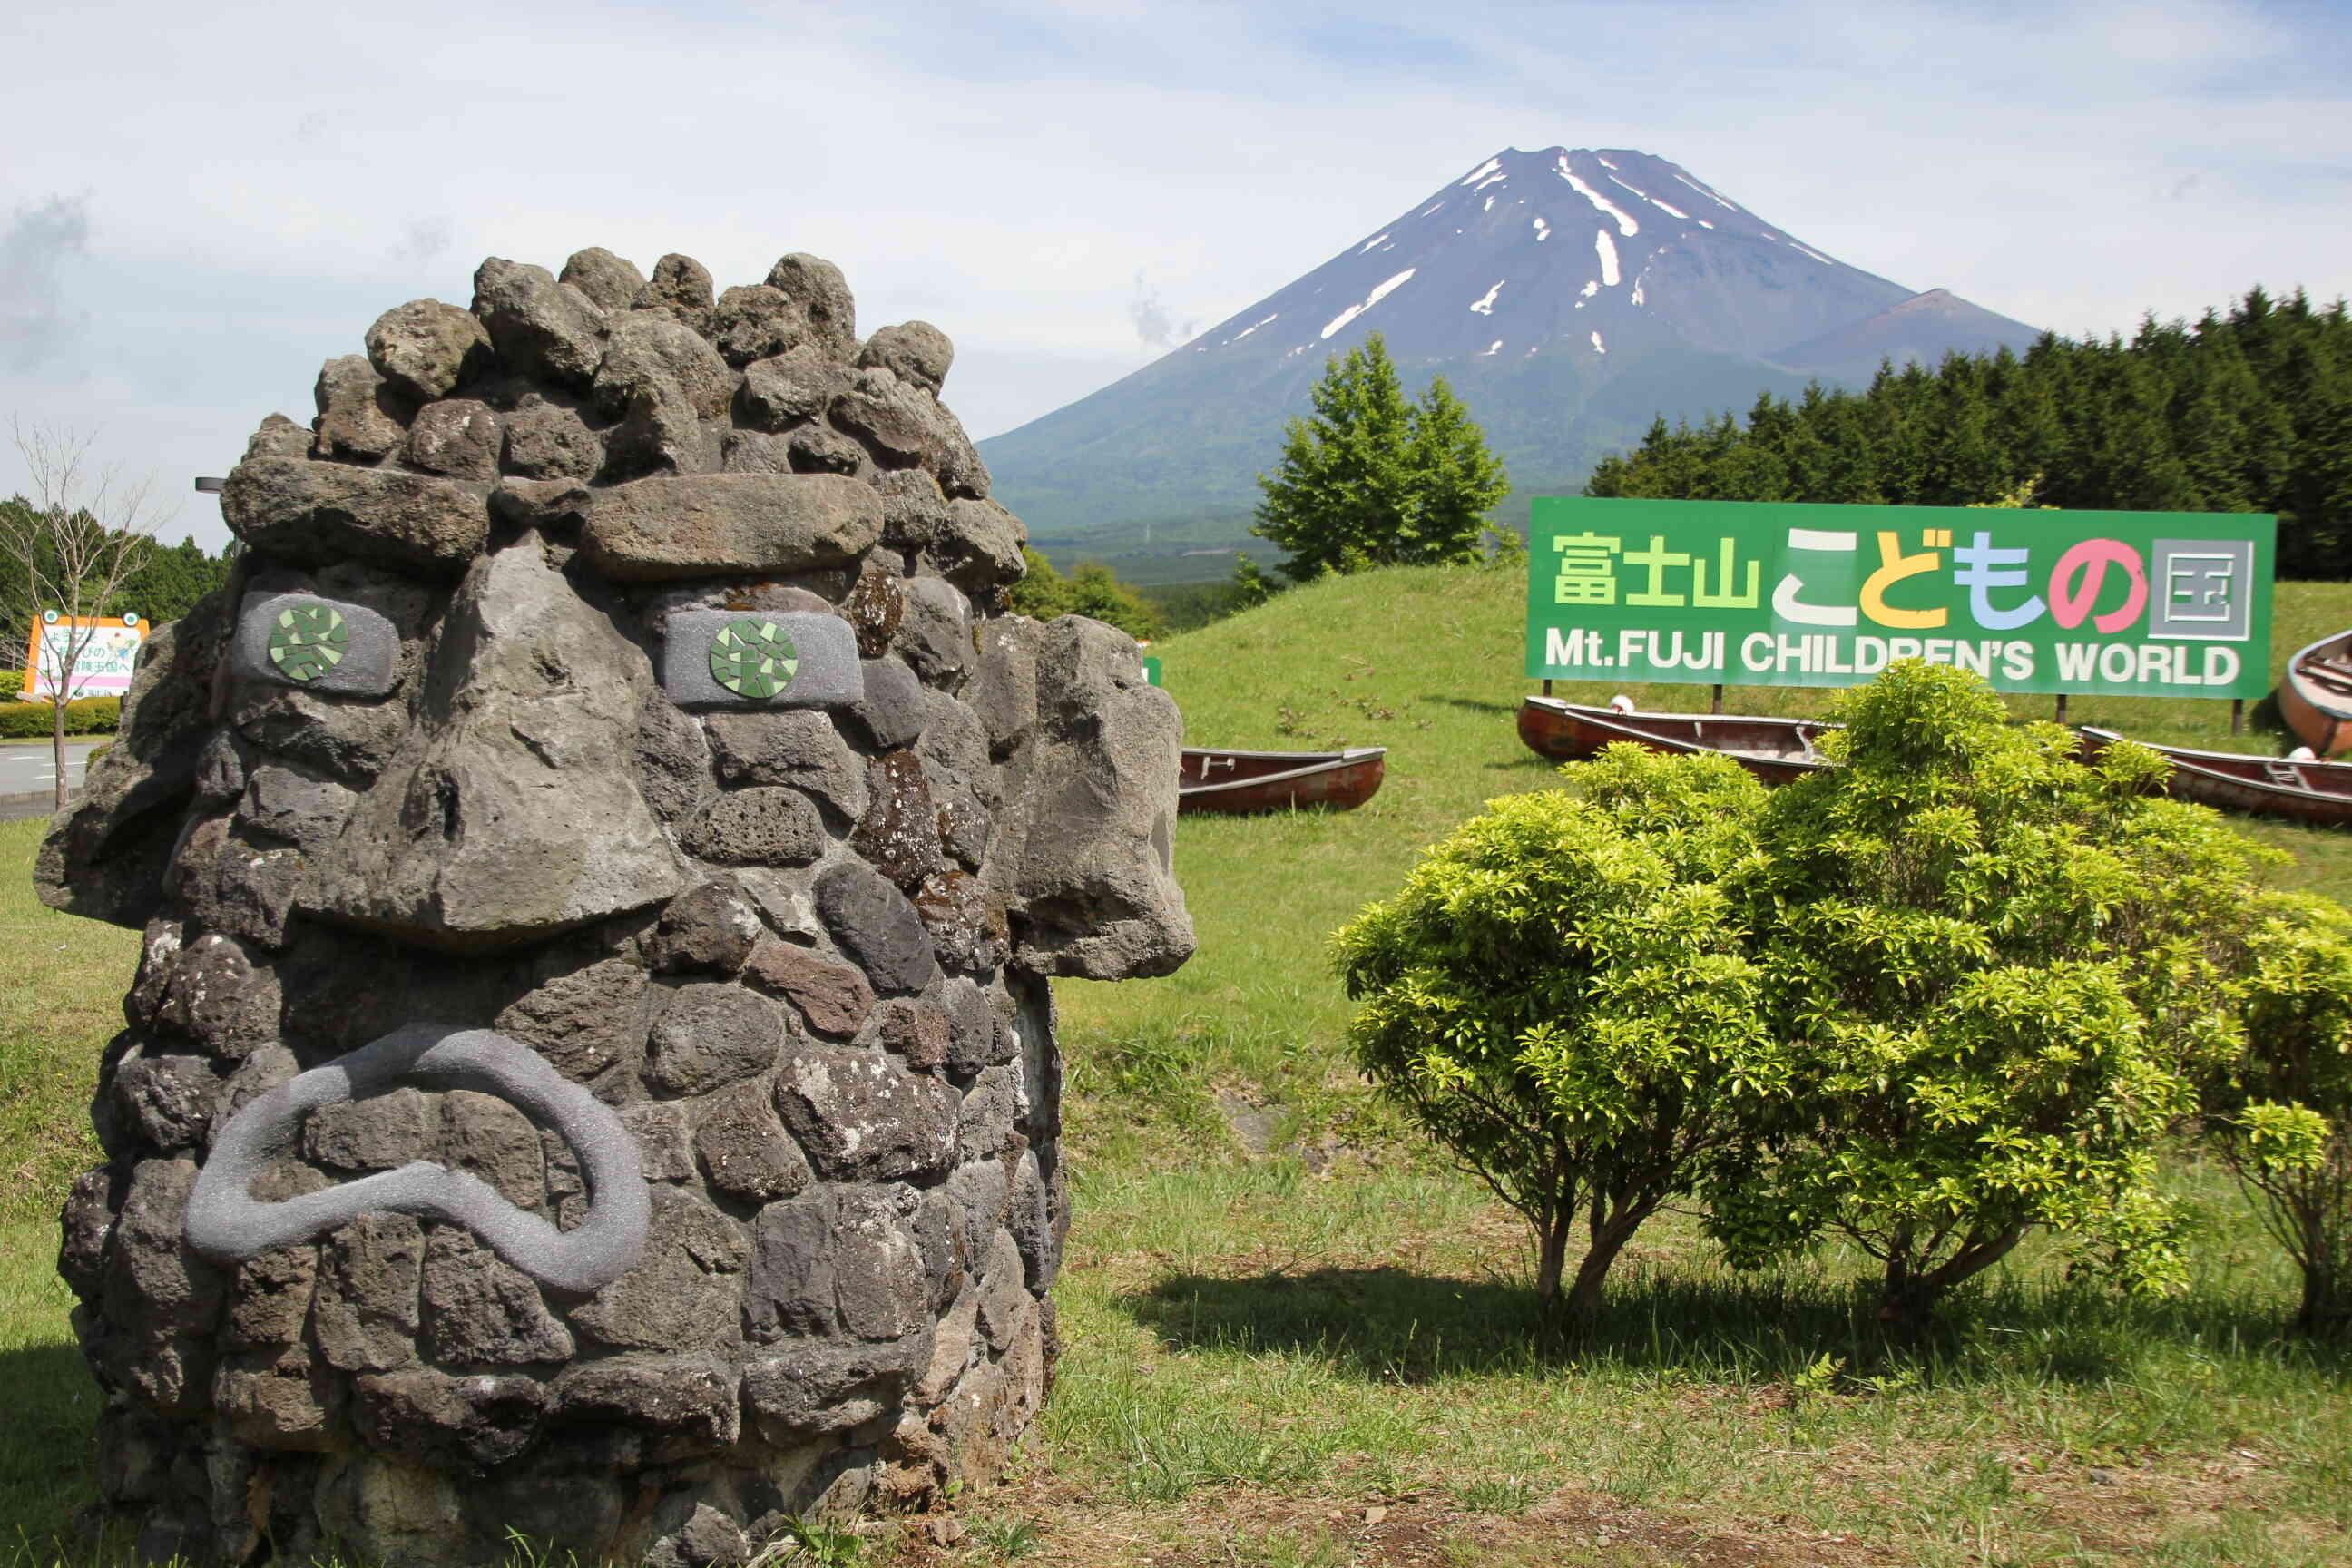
(1653, 201)
(1481, 171)
(1490, 348)
(1543, 231)
(1485, 303)
(1626, 224)
(1598, 346)
(1607, 249)
(1710, 195)
(1375, 297)
(1373, 241)
(1248, 329)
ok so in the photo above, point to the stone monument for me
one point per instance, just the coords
(590, 1072)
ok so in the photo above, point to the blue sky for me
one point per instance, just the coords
(198, 204)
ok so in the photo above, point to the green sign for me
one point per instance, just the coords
(1749, 594)
(1150, 671)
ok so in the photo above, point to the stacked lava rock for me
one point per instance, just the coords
(590, 1072)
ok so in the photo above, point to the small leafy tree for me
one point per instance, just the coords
(2282, 1115)
(1374, 481)
(1561, 996)
(72, 545)
(1949, 993)
(2002, 972)
(1252, 587)
(1092, 589)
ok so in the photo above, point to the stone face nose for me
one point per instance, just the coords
(512, 809)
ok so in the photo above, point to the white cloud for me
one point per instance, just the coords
(35, 250)
(257, 192)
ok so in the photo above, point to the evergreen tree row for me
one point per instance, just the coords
(2250, 412)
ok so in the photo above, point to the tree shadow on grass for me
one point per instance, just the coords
(1389, 1324)
(48, 1453)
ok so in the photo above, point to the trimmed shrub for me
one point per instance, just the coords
(84, 716)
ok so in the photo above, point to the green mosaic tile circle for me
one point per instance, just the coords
(753, 659)
(308, 641)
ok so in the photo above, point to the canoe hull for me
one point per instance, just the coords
(2315, 792)
(1234, 782)
(2321, 719)
(1775, 750)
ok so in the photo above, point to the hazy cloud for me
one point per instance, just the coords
(1153, 325)
(33, 254)
(425, 238)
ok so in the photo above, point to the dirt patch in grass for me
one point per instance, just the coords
(1329, 1531)
(2220, 1516)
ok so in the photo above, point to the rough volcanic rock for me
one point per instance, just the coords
(611, 283)
(681, 285)
(539, 327)
(477, 836)
(512, 916)
(696, 525)
(875, 926)
(427, 349)
(917, 353)
(362, 418)
(318, 512)
(823, 294)
(459, 436)
(710, 1035)
(1096, 893)
(862, 1116)
(651, 353)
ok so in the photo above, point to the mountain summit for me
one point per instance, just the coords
(1570, 296)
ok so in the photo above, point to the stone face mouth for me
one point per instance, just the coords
(226, 1224)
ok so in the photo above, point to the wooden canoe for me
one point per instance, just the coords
(2313, 792)
(1774, 749)
(2316, 698)
(1212, 779)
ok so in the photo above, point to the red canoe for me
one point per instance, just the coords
(2316, 698)
(2313, 792)
(1774, 749)
(1236, 782)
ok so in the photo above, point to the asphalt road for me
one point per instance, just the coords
(28, 778)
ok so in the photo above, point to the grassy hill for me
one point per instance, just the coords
(1293, 1338)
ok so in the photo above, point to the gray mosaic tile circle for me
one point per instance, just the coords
(696, 664)
(316, 643)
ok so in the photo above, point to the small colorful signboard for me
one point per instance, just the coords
(1152, 671)
(107, 651)
(1754, 594)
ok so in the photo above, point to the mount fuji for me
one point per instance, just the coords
(1568, 297)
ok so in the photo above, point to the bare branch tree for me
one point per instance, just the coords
(87, 528)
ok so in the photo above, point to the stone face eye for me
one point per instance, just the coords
(753, 659)
(319, 645)
(785, 658)
(309, 641)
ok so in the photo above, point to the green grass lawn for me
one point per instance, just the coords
(1292, 1338)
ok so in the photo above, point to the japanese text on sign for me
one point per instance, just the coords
(1750, 594)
